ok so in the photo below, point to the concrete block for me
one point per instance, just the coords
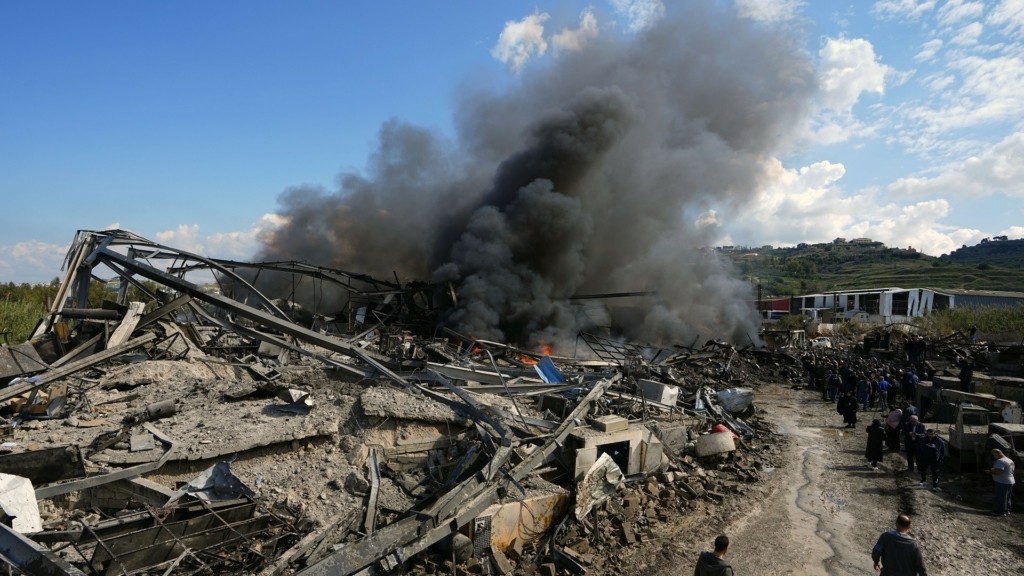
(651, 452)
(526, 519)
(659, 392)
(611, 423)
(716, 443)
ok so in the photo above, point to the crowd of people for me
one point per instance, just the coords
(867, 384)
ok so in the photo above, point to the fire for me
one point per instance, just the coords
(542, 349)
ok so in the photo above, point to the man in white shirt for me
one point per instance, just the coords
(1002, 473)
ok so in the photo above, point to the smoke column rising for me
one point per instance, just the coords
(588, 177)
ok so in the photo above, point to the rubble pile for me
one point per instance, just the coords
(181, 430)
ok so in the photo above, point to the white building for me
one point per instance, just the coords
(895, 305)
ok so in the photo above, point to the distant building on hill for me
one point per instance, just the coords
(894, 305)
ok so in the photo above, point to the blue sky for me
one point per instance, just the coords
(184, 122)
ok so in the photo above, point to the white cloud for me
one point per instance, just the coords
(242, 245)
(956, 11)
(989, 91)
(848, 68)
(910, 9)
(642, 14)
(572, 40)
(771, 11)
(998, 169)
(929, 50)
(968, 35)
(1009, 15)
(807, 204)
(521, 41)
(185, 237)
(32, 261)
(236, 245)
(1013, 232)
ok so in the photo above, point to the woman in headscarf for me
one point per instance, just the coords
(876, 440)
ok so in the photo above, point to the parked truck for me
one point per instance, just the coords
(968, 416)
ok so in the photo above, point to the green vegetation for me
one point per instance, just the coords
(993, 322)
(852, 265)
(22, 306)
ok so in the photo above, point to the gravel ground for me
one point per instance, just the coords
(822, 512)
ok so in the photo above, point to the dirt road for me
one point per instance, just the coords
(822, 513)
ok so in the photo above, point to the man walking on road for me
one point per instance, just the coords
(713, 563)
(913, 432)
(898, 552)
(930, 453)
(1002, 473)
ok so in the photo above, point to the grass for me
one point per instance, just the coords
(19, 318)
(1003, 323)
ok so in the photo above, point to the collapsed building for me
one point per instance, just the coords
(189, 427)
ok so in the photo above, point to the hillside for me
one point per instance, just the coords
(995, 252)
(809, 268)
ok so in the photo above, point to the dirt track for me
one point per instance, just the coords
(822, 513)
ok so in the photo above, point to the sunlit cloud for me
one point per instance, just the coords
(521, 40)
(573, 39)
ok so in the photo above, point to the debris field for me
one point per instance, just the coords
(181, 429)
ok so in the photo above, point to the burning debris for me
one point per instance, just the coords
(186, 428)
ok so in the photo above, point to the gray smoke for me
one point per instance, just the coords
(588, 177)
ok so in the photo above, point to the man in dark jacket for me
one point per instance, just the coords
(713, 563)
(898, 552)
(847, 406)
(930, 452)
(876, 438)
(913, 431)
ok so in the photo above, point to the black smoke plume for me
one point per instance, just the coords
(590, 176)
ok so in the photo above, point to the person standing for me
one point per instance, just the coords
(834, 381)
(876, 439)
(883, 393)
(910, 382)
(892, 429)
(862, 388)
(930, 453)
(966, 375)
(896, 553)
(713, 563)
(913, 431)
(847, 406)
(1002, 471)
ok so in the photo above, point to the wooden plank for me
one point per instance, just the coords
(127, 325)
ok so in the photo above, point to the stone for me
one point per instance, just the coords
(356, 484)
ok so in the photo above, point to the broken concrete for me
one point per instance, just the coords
(396, 439)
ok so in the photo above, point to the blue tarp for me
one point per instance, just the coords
(548, 372)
